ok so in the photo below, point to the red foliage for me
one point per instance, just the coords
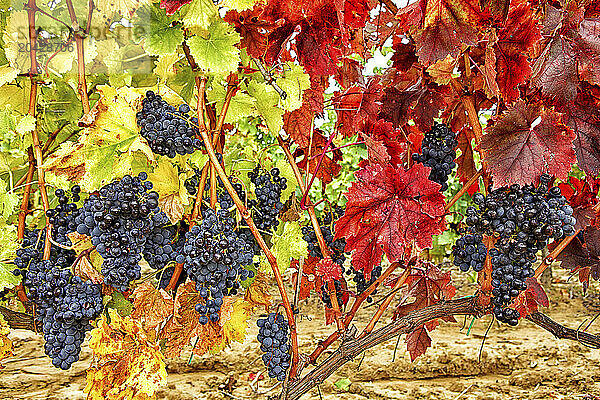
(171, 6)
(530, 298)
(329, 270)
(582, 256)
(525, 142)
(582, 196)
(388, 210)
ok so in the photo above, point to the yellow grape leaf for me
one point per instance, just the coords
(234, 321)
(6, 345)
(258, 292)
(165, 66)
(239, 5)
(442, 71)
(241, 106)
(267, 103)
(288, 245)
(151, 306)
(294, 82)
(172, 191)
(199, 14)
(7, 74)
(80, 243)
(127, 363)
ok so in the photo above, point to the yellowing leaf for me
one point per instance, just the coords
(8, 246)
(151, 306)
(84, 268)
(127, 363)
(125, 8)
(7, 74)
(234, 321)
(8, 202)
(258, 292)
(239, 5)
(5, 343)
(173, 195)
(165, 66)
(288, 245)
(199, 14)
(241, 106)
(26, 125)
(267, 104)
(294, 83)
(172, 206)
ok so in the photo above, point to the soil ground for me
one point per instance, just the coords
(525, 362)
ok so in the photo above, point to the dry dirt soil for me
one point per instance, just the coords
(525, 362)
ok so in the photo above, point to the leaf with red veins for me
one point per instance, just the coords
(404, 54)
(276, 40)
(356, 13)
(588, 51)
(417, 342)
(532, 297)
(525, 142)
(389, 209)
(428, 285)
(171, 6)
(466, 162)
(447, 24)
(356, 105)
(513, 69)
(489, 72)
(582, 197)
(395, 105)
(382, 133)
(428, 106)
(329, 270)
(522, 29)
(583, 118)
(582, 255)
(349, 74)
(555, 71)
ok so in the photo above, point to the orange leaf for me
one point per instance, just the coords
(258, 292)
(151, 306)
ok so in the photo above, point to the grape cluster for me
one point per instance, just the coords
(470, 252)
(437, 152)
(524, 219)
(269, 186)
(120, 218)
(62, 217)
(169, 131)
(274, 342)
(215, 258)
(327, 225)
(362, 284)
(64, 303)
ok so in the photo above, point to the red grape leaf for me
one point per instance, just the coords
(356, 105)
(251, 26)
(498, 8)
(428, 285)
(171, 6)
(349, 74)
(489, 72)
(583, 118)
(555, 71)
(297, 124)
(466, 162)
(513, 69)
(377, 151)
(582, 197)
(530, 298)
(588, 50)
(329, 167)
(582, 255)
(389, 209)
(521, 29)
(329, 270)
(447, 24)
(525, 142)
(383, 132)
(404, 54)
(417, 342)
(151, 306)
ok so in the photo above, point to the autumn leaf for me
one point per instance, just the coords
(258, 292)
(171, 6)
(582, 256)
(581, 195)
(6, 345)
(583, 119)
(532, 297)
(555, 71)
(525, 142)
(329, 270)
(151, 306)
(447, 24)
(384, 143)
(417, 342)
(127, 363)
(329, 167)
(356, 105)
(85, 269)
(466, 162)
(389, 209)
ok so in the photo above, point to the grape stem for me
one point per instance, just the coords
(463, 190)
(269, 78)
(261, 242)
(320, 239)
(82, 85)
(303, 204)
(550, 258)
(340, 147)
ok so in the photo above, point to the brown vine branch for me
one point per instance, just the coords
(369, 328)
(562, 332)
(463, 190)
(25, 201)
(269, 78)
(82, 85)
(550, 258)
(18, 320)
(315, 223)
(261, 242)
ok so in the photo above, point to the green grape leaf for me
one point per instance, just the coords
(294, 83)
(8, 245)
(7, 74)
(215, 50)
(8, 202)
(199, 14)
(241, 106)
(124, 8)
(343, 384)
(162, 38)
(118, 301)
(25, 125)
(267, 104)
(14, 35)
(238, 5)
(288, 245)
(165, 66)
